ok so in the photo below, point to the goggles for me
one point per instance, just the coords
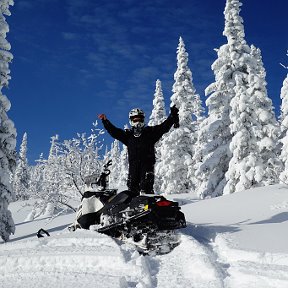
(137, 119)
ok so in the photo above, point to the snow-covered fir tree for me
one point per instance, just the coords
(114, 155)
(36, 179)
(21, 176)
(253, 125)
(52, 173)
(239, 78)
(214, 138)
(7, 129)
(212, 148)
(123, 167)
(284, 127)
(268, 137)
(176, 147)
(158, 114)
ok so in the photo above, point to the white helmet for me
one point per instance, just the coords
(136, 118)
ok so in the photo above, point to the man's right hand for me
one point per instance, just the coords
(102, 117)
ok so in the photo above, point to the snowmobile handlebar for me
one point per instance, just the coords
(102, 181)
(109, 163)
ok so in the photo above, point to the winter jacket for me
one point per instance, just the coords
(140, 149)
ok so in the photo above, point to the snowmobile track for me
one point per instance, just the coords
(191, 264)
(82, 257)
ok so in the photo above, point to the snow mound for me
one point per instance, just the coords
(83, 258)
(234, 241)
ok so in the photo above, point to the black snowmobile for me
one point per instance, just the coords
(147, 221)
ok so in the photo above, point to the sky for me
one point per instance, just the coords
(75, 59)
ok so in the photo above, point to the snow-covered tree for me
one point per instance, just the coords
(52, 180)
(7, 130)
(123, 166)
(268, 136)
(212, 149)
(158, 114)
(82, 158)
(114, 155)
(284, 127)
(36, 179)
(241, 124)
(176, 147)
(253, 125)
(21, 176)
(61, 178)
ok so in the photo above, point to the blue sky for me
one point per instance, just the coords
(74, 59)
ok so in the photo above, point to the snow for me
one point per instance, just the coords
(237, 240)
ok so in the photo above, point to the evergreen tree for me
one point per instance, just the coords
(115, 166)
(52, 179)
(36, 179)
(268, 138)
(7, 130)
(241, 125)
(212, 149)
(123, 167)
(158, 114)
(176, 148)
(21, 176)
(284, 127)
(253, 125)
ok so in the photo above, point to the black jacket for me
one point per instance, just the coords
(140, 149)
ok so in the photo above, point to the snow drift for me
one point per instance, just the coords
(237, 240)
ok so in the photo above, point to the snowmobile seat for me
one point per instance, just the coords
(122, 197)
(117, 202)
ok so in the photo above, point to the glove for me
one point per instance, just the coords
(102, 117)
(174, 113)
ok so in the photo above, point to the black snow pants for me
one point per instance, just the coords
(141, 178)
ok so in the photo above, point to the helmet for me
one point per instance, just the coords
(136, 118)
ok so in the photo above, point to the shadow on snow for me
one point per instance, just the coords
(204, 233)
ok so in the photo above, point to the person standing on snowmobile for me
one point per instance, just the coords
(140, 141)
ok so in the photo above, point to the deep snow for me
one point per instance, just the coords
(239, 240)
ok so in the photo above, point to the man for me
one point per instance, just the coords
(140, 141)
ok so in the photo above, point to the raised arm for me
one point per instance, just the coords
(115, 132)
(165, 126)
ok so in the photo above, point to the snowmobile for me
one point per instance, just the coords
(148, 221)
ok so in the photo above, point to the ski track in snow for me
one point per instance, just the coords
(188, 265)
(78, 259)
(89, 259)
(209, 262)
(241, 268)
(251, 269)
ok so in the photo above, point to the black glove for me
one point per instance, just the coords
(174, 110)
(174, 113)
